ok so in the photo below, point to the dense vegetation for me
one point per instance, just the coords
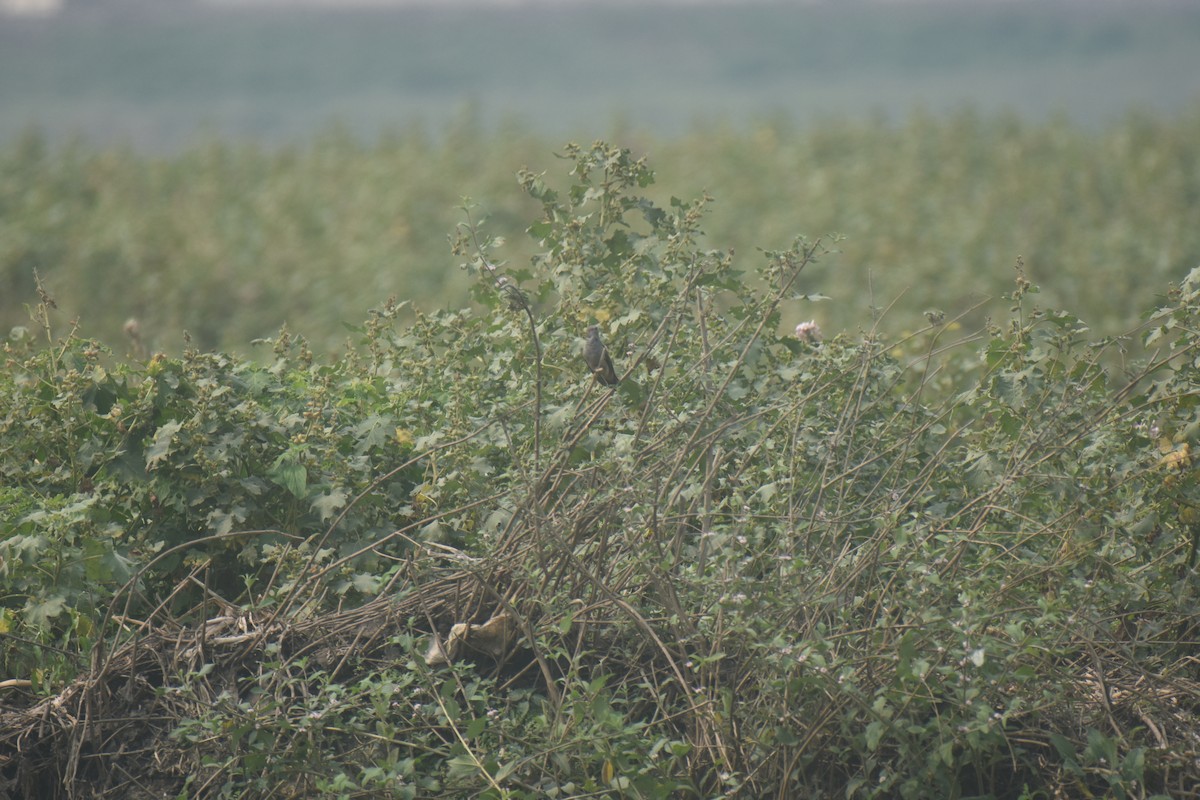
(230, 243)
(945, 564)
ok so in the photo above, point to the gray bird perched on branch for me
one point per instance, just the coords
(597, 358)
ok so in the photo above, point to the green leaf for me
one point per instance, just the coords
(366, 583)
(1133, 767)
(221, 521)
(374, 431)
(291, 475)
(874, 733)
(633, 392)
(329, 503)
(1066, 751)
(162, 444)
(786, 736)
(476, 727)
(102, 564)
(1101, 747)
(40, 613)
(460, 766)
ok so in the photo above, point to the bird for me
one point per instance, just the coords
(597, 358)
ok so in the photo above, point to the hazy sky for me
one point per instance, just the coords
(576, 67)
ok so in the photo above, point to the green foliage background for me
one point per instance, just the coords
(948, 562)
(230, 242)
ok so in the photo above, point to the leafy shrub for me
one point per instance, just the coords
(204, 472)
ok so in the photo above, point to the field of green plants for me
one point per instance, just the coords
(231, 242)
(411, 547)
